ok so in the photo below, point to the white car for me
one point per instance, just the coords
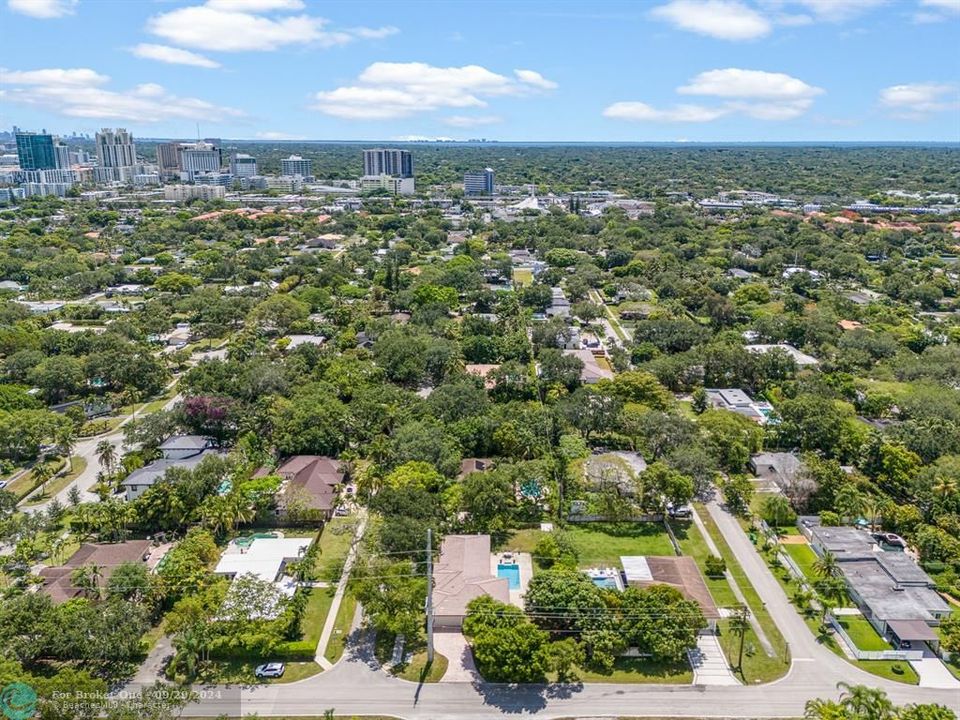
(269, 670)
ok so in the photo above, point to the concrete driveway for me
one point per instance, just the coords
(933, 673)
(454, 647)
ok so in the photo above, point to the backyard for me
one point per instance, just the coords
(601, 544)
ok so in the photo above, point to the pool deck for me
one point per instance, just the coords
(526, 572)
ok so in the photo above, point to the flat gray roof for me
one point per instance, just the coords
(844, 542)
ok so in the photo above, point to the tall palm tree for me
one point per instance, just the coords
(42, 474)
(826, 566)
(66, 441)
(106, 455)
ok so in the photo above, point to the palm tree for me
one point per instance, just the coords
(42, 474)
(777, 508)
(826, 566)
(866, 703)
(87, 579)
(65, 444)
(106, 455)
(945, 488)
(873, 508)
(825, 710)
(849, 502)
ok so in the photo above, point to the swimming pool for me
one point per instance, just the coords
(608, 583)
(511, 572)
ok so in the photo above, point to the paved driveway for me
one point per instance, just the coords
(454, 647)
(933, 673)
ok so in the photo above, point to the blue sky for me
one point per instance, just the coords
(645, 70)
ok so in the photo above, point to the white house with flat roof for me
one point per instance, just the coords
(266, 559)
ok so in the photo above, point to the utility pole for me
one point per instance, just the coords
(429, 595)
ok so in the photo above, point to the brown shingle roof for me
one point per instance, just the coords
(107, 556)
(319, 476)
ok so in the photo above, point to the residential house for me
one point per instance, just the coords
(461, 574)
(897, 597)
(106, 557)
(593, 371)
(680, 573)
(180, 451)
(313, 481)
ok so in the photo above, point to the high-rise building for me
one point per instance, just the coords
(168, 159)
(115, 148)
(35, 151)
(62, 156)
(199, 157)
(243, 165)
(296, 165)
(387, 161)
(478, 182)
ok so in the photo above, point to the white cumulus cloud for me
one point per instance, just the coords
(532, 77)
(755, 93)
(80, 93)
(722, 19)
(391, 90)
(916, 101)
(738, 83)
(252, 25)
(43, 9)
(173, 56)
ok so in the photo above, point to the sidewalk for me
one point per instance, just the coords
(761, 636)
(321, 655)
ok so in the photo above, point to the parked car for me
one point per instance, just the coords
(906, 645)
(269, 670)
(3, 484)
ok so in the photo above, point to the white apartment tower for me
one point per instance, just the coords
(115, 148)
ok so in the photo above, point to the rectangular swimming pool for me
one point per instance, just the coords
(512, 573)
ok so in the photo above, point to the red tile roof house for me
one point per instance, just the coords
(314, 478)
(57, 581)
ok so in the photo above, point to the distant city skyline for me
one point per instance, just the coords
(650, 71)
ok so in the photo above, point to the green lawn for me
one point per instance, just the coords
(60, 483)
(318, 605)
(862, 633)
(341, 629)
(639, 671)
(24, 485)
(692, 544)
(334, 545)
(602, 543)
(758, 667)
(804, 557)
(417, 670)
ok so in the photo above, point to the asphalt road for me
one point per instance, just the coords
(356, 686)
